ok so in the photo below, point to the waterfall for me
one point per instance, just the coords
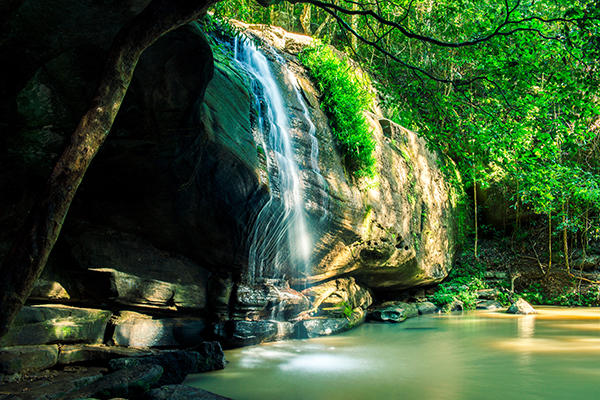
(280, 240)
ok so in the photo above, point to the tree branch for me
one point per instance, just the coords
(496, 32)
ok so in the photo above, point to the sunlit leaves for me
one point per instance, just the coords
(345, 96)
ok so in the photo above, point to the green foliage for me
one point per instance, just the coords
(345, 95)
(346, 309)
(570, 297)
(461, 284)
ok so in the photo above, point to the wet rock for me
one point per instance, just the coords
(245, 333)
(126, 383)
(25, 359)
(371, 234)
(252, 300)
(521, 306)
(488, 305)
(394, 311)
(44, 324)
(337, 298)
(456, 305)
(139, 330)
(70, 354)
(178, 364)
(211, 357)
(426, 307)
(181, 392)
(270, 299)
(313, 328)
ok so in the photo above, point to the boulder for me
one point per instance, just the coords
(586, 262)
(488, 305)
(178, 364)
(126, 383)
(337, 298)
(181, 392)
(521, 306)
(316, 327)
(426, 307)
(44, 324)
(139, 330)
(25, 359)
(211, 357)
(245, 333)
(455, 305)
(394, 311)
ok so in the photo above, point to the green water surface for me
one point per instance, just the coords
(474, 355)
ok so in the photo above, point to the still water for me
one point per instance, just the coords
(474, 355)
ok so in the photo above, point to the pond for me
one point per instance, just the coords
(473, 355)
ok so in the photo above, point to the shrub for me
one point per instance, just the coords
(345, 98)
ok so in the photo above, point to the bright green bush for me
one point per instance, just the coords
(345, 97)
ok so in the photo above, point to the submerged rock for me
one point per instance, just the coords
(521, 306)
(394, 311)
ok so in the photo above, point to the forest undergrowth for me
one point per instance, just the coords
(519, 266)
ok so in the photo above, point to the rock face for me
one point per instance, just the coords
(162, 219)
(397, 233)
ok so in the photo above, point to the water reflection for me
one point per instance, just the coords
(478, 355)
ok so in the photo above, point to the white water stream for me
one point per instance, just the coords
(280, 239)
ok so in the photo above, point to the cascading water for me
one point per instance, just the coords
(280, 240)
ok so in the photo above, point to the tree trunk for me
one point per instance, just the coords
(31, 248)
(305, 19)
